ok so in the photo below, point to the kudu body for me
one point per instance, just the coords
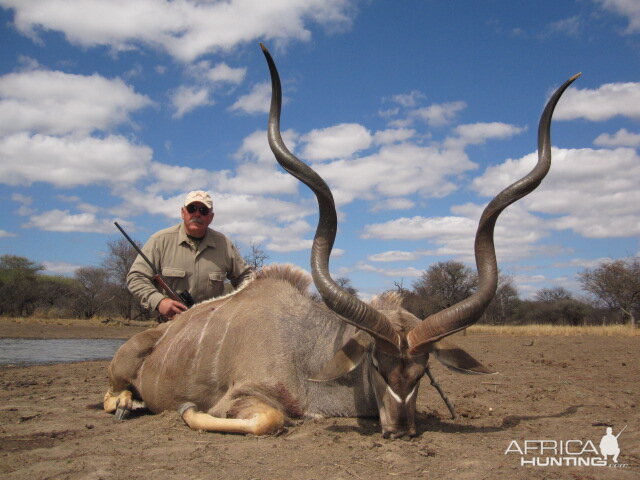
(245, 355)
(247, 359)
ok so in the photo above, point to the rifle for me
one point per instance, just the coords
(183, 297)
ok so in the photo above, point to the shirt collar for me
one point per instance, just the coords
(207, 241)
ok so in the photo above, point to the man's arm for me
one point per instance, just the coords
(240, 271)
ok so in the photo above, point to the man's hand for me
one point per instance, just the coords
(168, 307)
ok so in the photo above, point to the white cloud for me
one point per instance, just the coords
(592, 192)
(189, 97)
(259, 173)
(285, 237)
(437, 115)
(220, 73)
(25, 202)
(608, 101)
(479, 133)
(172, 178)
(22, 199)
(81, 104)
(408, 100)
(259, 179)
(392, 272)
(395, 171)
(419, 228)
(150, 202)
(337, 141)
(434, 115)
(393, 135)
(63, 221)
(622, 138)
(285, 244)
(583, 262)
(234, 207)
(392, 204)
(71, 161)
(185, 30)
(60, 268)
(516, 233)
(570, 26)
(79, 204)
(626, 8)
(255, 147)
(394, 256)
(256, 101)
(5, 234)
(184, 99)
(47, 118)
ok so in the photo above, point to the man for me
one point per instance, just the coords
(609, 445)
(190, 256)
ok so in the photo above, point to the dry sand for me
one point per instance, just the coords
(554, 388)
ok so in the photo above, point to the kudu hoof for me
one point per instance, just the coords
(122, 413)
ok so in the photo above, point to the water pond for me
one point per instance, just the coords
(22, 351)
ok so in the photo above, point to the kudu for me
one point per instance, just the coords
(249, 362)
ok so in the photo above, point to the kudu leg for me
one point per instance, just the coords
(121, 404)
(260, 419)
(123, 369)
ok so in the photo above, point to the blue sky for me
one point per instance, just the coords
(416, 112)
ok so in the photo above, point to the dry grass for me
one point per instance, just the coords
(531, 330)
(542, 330)
(96, 321)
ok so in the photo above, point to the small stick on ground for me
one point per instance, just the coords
(436, 385)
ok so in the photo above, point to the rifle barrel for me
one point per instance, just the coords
(133, 244)
(621, 431)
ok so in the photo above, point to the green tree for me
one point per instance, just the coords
(120, 256)
(444, 284)
(615, 284)
(553, 294)
(556, 306)
(94, 292)
(56, 296)
(18, 285)
(504, 304)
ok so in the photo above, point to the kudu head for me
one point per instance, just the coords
(398, 342)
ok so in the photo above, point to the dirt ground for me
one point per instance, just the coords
(548, 388)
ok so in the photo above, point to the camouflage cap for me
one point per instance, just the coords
(198, 196)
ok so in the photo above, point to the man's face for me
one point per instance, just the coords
(195, 222)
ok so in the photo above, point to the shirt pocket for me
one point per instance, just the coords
(173, 272)
(176, 278)
(216, 282)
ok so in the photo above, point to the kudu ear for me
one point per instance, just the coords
(456, 359)
(346, 359)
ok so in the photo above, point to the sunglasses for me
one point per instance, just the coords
(191, 208)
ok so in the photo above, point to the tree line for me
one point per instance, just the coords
(612, 292)
(612, 296)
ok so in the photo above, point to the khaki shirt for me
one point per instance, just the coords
(199, 269)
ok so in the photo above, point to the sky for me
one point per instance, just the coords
(416, 113)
